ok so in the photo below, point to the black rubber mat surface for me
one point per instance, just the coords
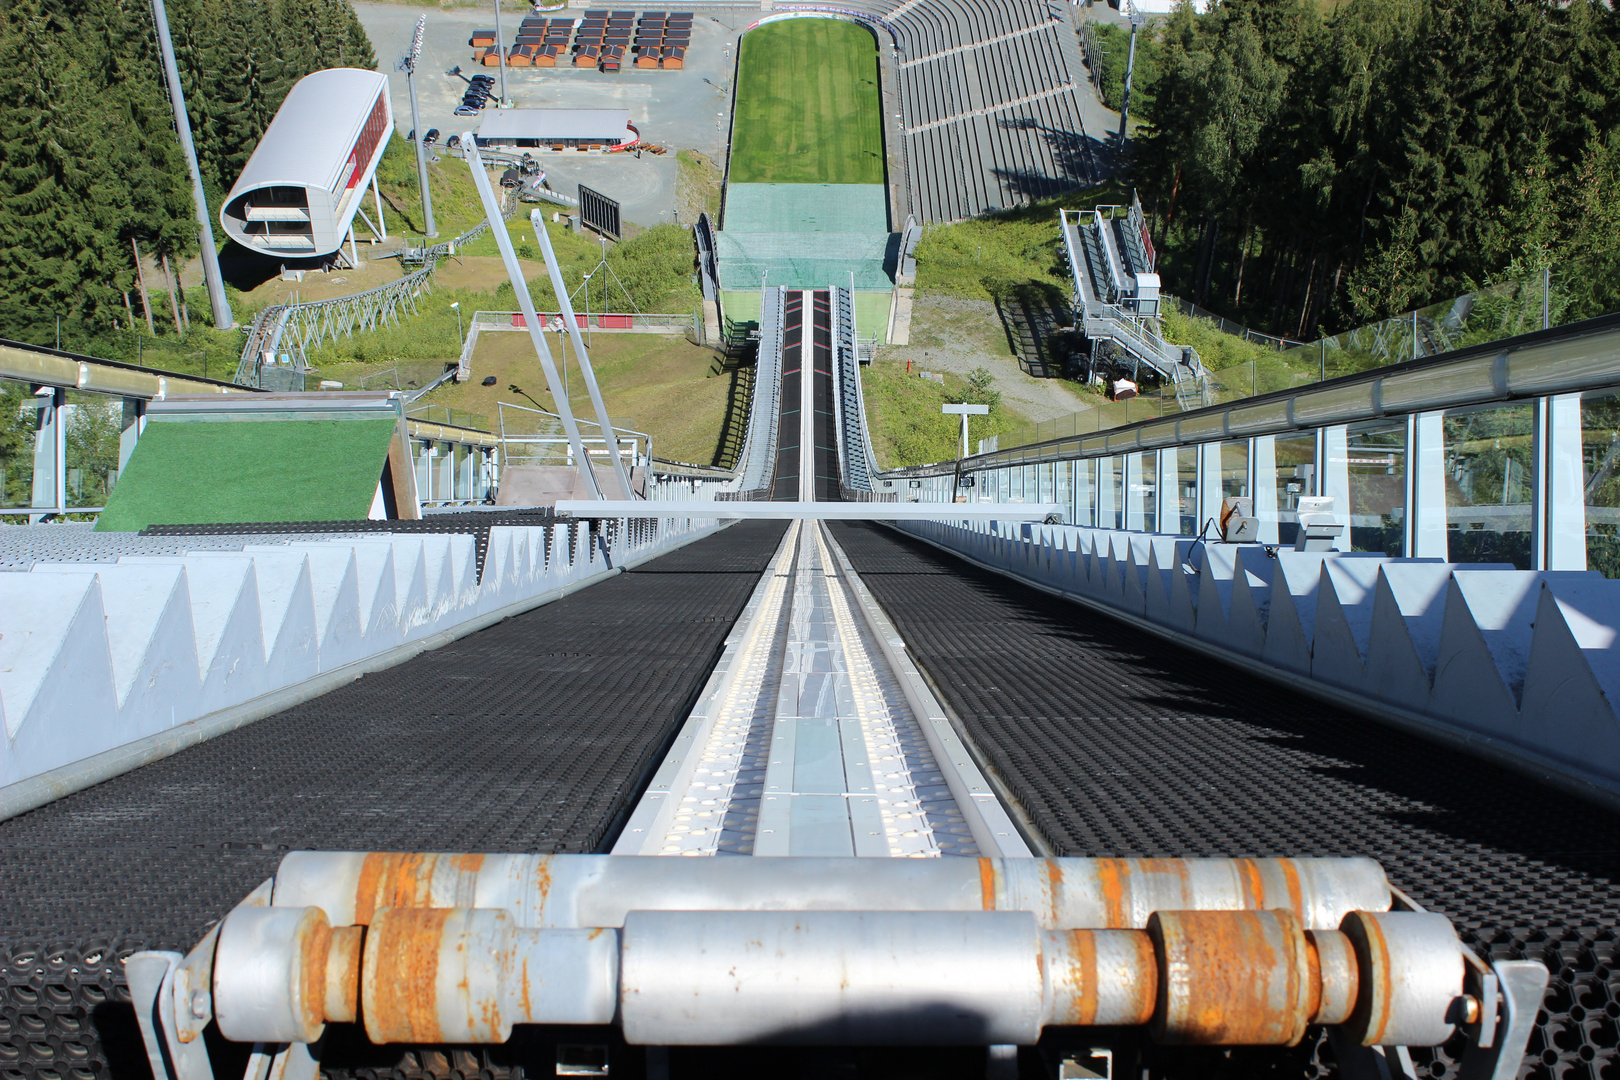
(534, 735)
(785, 483)
(1117, 743)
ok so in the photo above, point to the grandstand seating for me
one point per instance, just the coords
(987, 99)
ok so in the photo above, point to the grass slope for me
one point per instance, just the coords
(905, 422)
(665, 386)
(807, 105)
(985, 257)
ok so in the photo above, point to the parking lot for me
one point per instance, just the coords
(678, 109)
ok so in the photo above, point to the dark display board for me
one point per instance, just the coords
(597, 211)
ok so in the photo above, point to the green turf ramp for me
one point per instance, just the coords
(808, 110)
(228, 471)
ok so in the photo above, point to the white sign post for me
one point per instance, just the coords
(965, 410)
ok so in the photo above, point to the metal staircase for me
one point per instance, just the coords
(1134, 239)
(1096, 266)
(1102, 316)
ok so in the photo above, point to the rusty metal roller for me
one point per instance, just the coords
(1411, 978)
(1098, 978)
(403, 971)
(343, 975)
(466, 975)
(1124, 893)
(1231, 978)
(582, 891)
(1335, 973)
(270, 974)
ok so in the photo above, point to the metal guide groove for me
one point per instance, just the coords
(805, 741)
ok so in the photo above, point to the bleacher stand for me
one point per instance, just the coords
(987, 100)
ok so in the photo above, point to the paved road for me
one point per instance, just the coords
(680, 109)
(1100, 122)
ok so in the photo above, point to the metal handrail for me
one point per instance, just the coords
(318, 319)
(503, 320)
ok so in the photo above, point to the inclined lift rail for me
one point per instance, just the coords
(854, 446)
(886, 898)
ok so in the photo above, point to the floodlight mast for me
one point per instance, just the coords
(223, 318)
(1130, 66)
(407, 64)
(500, 53)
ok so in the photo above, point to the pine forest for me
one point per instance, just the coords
(1307, 166)
(90, 166)
(1311, 167)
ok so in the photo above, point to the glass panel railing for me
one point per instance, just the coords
(95, 427)
(27, 447)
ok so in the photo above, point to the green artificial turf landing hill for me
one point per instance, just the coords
(807, 107)
(227, 472)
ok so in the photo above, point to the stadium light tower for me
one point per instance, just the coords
(500, 52)
(1130, 64)
(407, 64)
(223, 318)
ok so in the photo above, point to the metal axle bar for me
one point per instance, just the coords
(572, 891)
(826, 511)
(805, 977)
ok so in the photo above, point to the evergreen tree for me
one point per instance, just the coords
(1304, 172)
(88, 154)
(1590, 256)
(58, 257)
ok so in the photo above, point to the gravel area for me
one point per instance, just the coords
(956, 335)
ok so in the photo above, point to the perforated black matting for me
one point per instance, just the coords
(534, 735)
(1117, 743)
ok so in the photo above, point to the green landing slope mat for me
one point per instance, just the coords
(806, 236)
(807, 107)
(226, 472)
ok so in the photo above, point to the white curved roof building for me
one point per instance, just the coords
(305, 180)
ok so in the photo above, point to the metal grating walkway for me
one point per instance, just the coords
(1116, 743)
(531, 736)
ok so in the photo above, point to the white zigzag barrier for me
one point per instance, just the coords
(106, 666)
(1519, 666)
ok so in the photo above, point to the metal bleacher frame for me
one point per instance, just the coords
(964, 65)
